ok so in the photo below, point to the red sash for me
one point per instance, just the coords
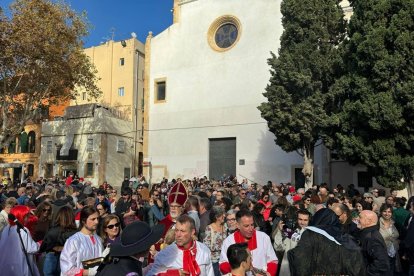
(251, 244)
(189, 260)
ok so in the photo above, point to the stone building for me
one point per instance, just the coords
(89, 141)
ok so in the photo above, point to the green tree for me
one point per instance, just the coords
(301, 75)
(374, 122)
(41, 61)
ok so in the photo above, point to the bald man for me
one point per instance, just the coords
(373, 246)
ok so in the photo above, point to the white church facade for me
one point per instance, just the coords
(205, 76)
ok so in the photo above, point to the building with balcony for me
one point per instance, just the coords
(90, 141)
(21, 158)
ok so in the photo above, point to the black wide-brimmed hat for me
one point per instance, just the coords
(137, 237)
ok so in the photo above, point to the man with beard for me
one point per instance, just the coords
(184, 257)
(83, 246)
(259, 244)
(176, 200)
(127, 209)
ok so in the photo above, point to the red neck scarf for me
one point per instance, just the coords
(189, 260)
(251, 244)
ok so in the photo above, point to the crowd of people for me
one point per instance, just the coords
(202, 227)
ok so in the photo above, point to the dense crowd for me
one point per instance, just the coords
(202, 227)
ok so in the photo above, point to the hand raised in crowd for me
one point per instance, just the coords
(129, 213)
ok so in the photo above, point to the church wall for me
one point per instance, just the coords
(213, 94)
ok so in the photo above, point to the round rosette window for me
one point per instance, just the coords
(224, 33)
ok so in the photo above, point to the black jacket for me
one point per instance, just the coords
(351, 228)
(120, 267)
(407, 245)
(56, 236)
(315, 254)
(375, 252)
(123, 207)
(124, 184)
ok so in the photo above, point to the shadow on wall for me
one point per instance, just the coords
(272, 163)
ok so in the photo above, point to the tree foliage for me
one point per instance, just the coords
(374, 120)
(41, 61)
(301, 75)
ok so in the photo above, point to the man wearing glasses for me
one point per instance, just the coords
(241, 198)
(127, 209)
(344, 215)
(153, 209)
(176, 200)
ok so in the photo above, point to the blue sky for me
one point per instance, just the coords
(124, 16)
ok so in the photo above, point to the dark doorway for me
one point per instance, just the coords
(17, 175)
(365, 180)
(299, 178)
(140, 160)
(222, 157)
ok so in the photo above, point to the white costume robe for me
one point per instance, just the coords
(12, 259)
(261, 256)
(79, 247)
(171, 257)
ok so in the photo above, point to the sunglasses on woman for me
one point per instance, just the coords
(111, 226)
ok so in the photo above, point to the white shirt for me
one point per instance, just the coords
(261, 256)
(12, 258)
(79, 247)
(172, 258)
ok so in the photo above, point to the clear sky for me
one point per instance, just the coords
(121, 16)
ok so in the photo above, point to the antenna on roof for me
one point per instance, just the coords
(112, 32)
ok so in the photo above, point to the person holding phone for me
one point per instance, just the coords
(127, 209)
